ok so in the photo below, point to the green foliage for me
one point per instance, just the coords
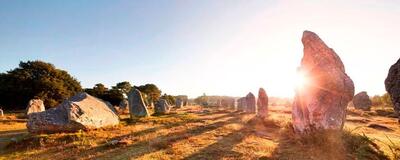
(124, 87)
(36, 79)
(152, 92)
(170, 99)
(383, 100)
(114, 96)
(376, 100)
(202, 100)
(386, 101)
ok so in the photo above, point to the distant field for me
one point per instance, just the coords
(190, 133)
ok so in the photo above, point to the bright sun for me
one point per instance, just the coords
(301, 80)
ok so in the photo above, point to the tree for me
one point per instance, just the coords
(151, 90)
(386, 101)
(114, 96)
(170, 99)
(36, 79)
(202, 100)
(124, 87)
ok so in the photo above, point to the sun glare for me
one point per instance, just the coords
(301, 80)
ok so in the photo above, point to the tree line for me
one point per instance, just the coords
(38, 79)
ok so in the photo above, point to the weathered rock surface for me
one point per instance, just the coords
(262, 103)
(178, 103)
(123, 106)
(321, 103)
(162, 107)
(80, 112)
(361, 101)
(392, 84)
(241, 104)
(137, 107)
(35, 105)
(184, 99)
(251, 103)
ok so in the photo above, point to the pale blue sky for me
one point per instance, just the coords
(225, 47)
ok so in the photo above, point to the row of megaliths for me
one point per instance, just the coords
(137, 107)
(249, 104)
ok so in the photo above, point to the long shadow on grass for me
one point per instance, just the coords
(181, 135)
(135, 134)
(222, 148)
(141, 148)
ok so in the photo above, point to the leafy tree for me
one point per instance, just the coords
(170, 99)
(151, 90)
(376, 100)
(36, 79)
(114, 96)
(202, 100)
(124, 87)
(386, 101)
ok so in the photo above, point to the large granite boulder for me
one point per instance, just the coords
(161, 107)
(262, 103)
(178, 103)
(392, 85)
(251, 103)
(80, 112)
(35, 105)
(137, 107)
(361, 101)
(321, 103)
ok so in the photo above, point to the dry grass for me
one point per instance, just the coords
(192, 133)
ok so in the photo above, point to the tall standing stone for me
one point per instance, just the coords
(361, 101)
(137, 108)
(321, 103)
(178, 103)
(241, 102)
(35, 105)
(161, 107)
(392, 85)
(251, 103)
(262, 103)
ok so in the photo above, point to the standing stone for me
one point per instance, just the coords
(35, 105)
(251, 103)
(80, 112)
(362, 101)
(162, 107)
(124, 106)
(242, 104)
(392, 84)
(262, 103)
(137, 108)
(178, 103)
(321, 103)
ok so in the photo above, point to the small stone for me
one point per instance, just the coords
(35, 105)
(251, 103)
(362, 101)
(162, 107)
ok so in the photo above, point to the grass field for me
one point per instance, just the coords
(206, 133)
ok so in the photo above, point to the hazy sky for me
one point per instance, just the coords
(217, 47)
